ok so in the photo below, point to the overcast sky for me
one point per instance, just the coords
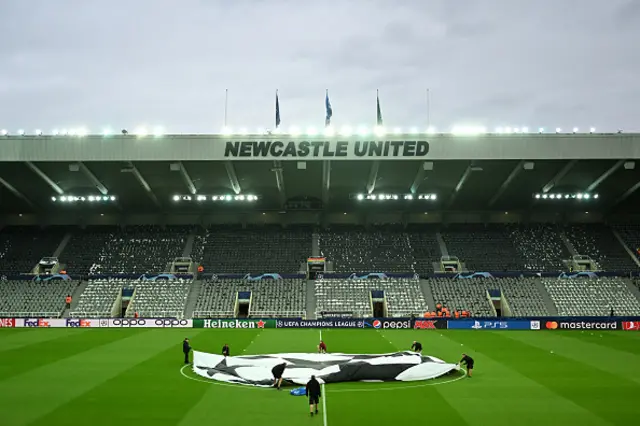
(131, 63)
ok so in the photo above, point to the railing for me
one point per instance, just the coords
(36, 314)
(90, 314)
(214, 314)
(159, 314)
(254, 314)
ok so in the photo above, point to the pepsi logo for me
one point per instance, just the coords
(377, 324)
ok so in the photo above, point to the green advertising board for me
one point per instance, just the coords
(234, 323)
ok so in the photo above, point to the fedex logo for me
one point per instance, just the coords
(31, 322)
(72, 322)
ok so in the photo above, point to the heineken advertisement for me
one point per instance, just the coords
(234, 323)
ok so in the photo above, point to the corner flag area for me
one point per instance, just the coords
(56, 377)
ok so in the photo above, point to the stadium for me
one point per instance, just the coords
(519, 249)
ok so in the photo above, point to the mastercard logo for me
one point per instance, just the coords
(551, 325)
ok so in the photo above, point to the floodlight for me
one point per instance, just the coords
(346, 131)
(360, 197)
(21, 132)
(63, 198)
(228, 198)
(38, 132)
(507, 130)
(240, 197)
(226, 130)
(592, 130)
(261, 131)
(363, 131)
(566, 196)
(72, 132)
(4, 132)
(413, 130)
(373, 197)
(558, 130)
(113, 198)
(587, 196)
(552, 196)
(380, 131)
(312, 131)
(408, 197)
(595, 196)
(82, 199)
(201, 198)
(537, 196)
(106, 132)
(516, 130)
(541, 130)
(141, 132)
(434, 196)
(525, 130)
(395, 197)
(158, 131)
(431, 130)
(92, 198)
(53, 198)
(328, 131)
(397, 131)
(579, 196)
(214, 198)
(82, 132)
(499, 130)
(575, 130)
(176, 198)
(545, 196)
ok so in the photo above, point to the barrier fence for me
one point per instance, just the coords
(495, 324)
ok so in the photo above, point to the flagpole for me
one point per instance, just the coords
(428, 109)
(226, 102)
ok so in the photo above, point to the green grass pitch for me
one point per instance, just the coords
(56, 377)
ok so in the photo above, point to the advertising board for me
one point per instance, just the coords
(491, 325)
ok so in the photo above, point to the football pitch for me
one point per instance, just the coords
(56, 377)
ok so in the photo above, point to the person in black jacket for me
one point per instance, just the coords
(225, 350)
(313, 392)
(468, 361)
(186, 348)
(416, 347)
(277, 372)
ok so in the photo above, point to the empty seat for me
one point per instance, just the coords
(598, 242)
(22, 247)
(44, 299)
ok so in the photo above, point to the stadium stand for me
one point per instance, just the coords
(269, 298)
(462, 295)
(22, 247)
(426, 249)
(160, 298)
(540, 246)
(35, 299)
(404, 296)
(598, 242)
(522, 295)
(592, 296)
(483, 248)
(97, 299)
(135, 249)
(382, 250)
(254, 250)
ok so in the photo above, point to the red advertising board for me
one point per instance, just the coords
(631, 325)
(7, 322)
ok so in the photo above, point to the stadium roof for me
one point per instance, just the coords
(552, 184)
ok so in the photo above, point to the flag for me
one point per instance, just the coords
(277, 111)
(379, 111)
(328, 110)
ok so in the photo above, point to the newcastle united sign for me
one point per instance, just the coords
(326, 149)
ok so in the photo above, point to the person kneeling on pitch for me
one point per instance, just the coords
(468, 361)
(313, 392)
(416, 347)
(322, 347)
(277, 372)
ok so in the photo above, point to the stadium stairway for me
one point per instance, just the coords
(315, 244)
(633, 289)
(626, 247)
(194, 293)
(62, 245)
(75, 297)
(188, 247)
(443, 246)
(568, 244)
(546, 298)
(311, 302)
(428, 295)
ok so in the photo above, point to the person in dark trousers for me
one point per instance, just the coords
(186, 348)
(322, 347)
(416, 347)
(468, 361)
(313, 392)
(277, 372)
(225, 350)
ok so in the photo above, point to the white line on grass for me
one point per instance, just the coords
(324, 397)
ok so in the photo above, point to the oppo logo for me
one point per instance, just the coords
(172, 323)
(129, 323)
